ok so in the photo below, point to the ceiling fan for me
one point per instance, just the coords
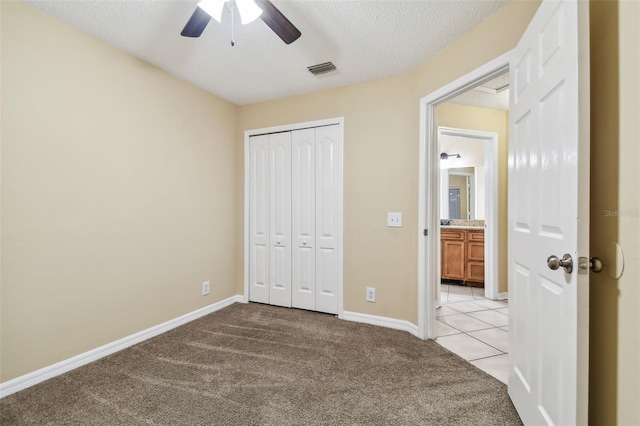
(249, 10)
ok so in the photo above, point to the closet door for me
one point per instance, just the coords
(328, 217)
(259, 247)
(303, 202)
(280, 219)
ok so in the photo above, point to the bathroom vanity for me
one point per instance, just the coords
(462, 254)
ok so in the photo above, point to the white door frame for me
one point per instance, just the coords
(428, 185)
(340, 204)
(490, 140)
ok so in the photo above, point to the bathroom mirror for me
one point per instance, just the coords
(462, 193)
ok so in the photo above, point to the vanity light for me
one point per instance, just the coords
(445, 156)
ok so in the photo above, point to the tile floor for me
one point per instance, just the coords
(475, 328)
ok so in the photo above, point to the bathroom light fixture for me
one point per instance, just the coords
(445, 156)
(249, 10)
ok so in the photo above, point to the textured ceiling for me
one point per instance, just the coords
(365, 39)
(482, 96)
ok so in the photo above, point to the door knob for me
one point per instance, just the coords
(553, 262)
(593, 263)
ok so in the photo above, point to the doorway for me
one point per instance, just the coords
(468, 163)
(429, 214)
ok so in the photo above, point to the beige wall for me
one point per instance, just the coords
(121, 185)
(629, 235)
(118, 193)
(486, 120)
(381, 160)
(380, 175)
(615, 213)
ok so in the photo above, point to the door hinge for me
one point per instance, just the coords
(426, 232)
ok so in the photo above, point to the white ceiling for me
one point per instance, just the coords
(365, 39)
(483, 97)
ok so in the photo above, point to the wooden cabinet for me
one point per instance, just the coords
(475, 256)
(462, 255)
(453, 254)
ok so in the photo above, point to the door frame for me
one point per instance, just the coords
(428, 188)
(340, 202)
(490, 140)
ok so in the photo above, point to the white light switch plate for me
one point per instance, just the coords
(394, 220)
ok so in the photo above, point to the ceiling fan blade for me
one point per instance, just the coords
(196, 24)
(278, 22)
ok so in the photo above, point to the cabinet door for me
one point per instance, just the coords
(475, 256)
(475, 271)
(453, 259)
(328, 217)
(259, 219)
(303, 219)
(280, 218)
(475, 251)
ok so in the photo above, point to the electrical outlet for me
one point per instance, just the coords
(205, 288)
(371, 294)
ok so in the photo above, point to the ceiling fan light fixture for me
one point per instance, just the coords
(213, 8)
(249, 10)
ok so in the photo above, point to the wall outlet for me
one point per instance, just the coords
(371, 294)
(205, 288)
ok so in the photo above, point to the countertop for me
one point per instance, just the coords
(476, 228)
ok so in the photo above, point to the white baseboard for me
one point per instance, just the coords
(381, 321)
(39, 376)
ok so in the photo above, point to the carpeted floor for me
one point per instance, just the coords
(251, 364)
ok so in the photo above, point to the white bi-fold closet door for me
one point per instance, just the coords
(295, 217)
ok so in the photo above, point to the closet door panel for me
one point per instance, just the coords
(328, 217)
(259, 247)
(303, 204)
(280, 218)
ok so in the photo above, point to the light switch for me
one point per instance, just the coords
(394, 220)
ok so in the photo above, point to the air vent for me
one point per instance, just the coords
(321, 68)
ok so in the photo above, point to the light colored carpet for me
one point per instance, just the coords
(251, 364)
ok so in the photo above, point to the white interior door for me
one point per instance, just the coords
(328, 217)
(280, 219)
(548, 215)
(303, 201)
(259, 247)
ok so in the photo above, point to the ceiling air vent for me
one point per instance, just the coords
(321, 68)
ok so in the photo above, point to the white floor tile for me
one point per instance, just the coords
(464, 322)
(453, 297)
(467, 347)
(495, 337)
(445, 310)
(445, 330)
(461, 290)
(491, 317)
(497, 366)
(465, 307)
(503, 311)
(478, 292)
(475, 328)
(491, 304)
